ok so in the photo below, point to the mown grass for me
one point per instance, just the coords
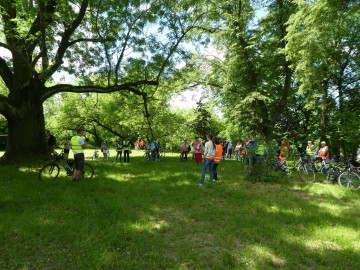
(151, 215)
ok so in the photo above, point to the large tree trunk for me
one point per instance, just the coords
(324, 107)
(26, 134)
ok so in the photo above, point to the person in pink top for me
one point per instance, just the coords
(198, 150)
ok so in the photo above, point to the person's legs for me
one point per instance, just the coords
(79, 166)
(211, 169)
(126, 156)
(205, 165)
(215, 170)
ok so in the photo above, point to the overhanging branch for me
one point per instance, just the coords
(130, 86)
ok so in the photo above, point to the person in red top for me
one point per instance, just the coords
(198, 150)
(217, 158)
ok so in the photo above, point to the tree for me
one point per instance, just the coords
(83, 38)
(323, 44)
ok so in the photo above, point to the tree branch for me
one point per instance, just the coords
(65, 43)
(6, 74)
(105, 127)
(36, 26)
(130, 86)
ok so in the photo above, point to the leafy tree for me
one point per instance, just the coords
(323, 44)
(90, 39)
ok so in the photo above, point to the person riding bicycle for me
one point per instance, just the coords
(78, 145)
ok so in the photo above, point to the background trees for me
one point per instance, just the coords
(281, 69)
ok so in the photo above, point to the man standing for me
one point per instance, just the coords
(126, 148)
(51, 141)
(78, 145)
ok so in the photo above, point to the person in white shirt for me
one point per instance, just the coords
(209, 154)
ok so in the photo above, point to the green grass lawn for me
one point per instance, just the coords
(152, 215)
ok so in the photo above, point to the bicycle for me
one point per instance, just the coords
(349, 178)
(304, 169)
(51, 171)
(334, 170)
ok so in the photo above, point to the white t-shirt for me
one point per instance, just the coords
(209, 151)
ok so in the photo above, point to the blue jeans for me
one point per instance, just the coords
(207, 163)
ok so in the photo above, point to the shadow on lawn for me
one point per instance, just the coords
(151, 215)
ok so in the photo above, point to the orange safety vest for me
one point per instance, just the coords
(324, 152)
(283, 153)
(218, 154)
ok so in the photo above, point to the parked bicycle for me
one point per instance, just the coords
(349, 178)
(51, 171)
(304, 168)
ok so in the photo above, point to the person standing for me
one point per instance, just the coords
(126, 147)
(65, 145)
(209, 154)
(104, 150)
(229, 149)
(78, 145)
(198, 150)
(310, 150)
(50, 141)
(217, 158)
(324, 151)
(118, 147)
(185, 149)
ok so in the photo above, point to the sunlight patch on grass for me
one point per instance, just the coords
(183, 183)
(120, 177)
(150, 226)
(295, 212)
(265, 256)
(45, 221)
(318, 245)
(331, 237)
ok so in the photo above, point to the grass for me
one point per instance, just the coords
(151, 215)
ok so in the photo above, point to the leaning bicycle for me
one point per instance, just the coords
(349, 178)
(51, 171)
(304, 168)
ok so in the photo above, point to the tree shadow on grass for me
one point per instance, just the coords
(151, 215)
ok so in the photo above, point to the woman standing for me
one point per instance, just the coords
(217, 158)
(198, 150)
(209, 154)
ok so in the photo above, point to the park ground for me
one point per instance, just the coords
(152, 215)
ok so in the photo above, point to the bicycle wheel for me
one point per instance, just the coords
(306, 173)
(349, 179)
(88, 172)
(49, 172)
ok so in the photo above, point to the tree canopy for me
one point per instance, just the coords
(282, 69)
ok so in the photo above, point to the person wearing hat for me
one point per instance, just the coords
(78, 144)
(324, 151)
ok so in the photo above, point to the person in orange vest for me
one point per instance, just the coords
(324, 151)
(217, 158)
(284, 151)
